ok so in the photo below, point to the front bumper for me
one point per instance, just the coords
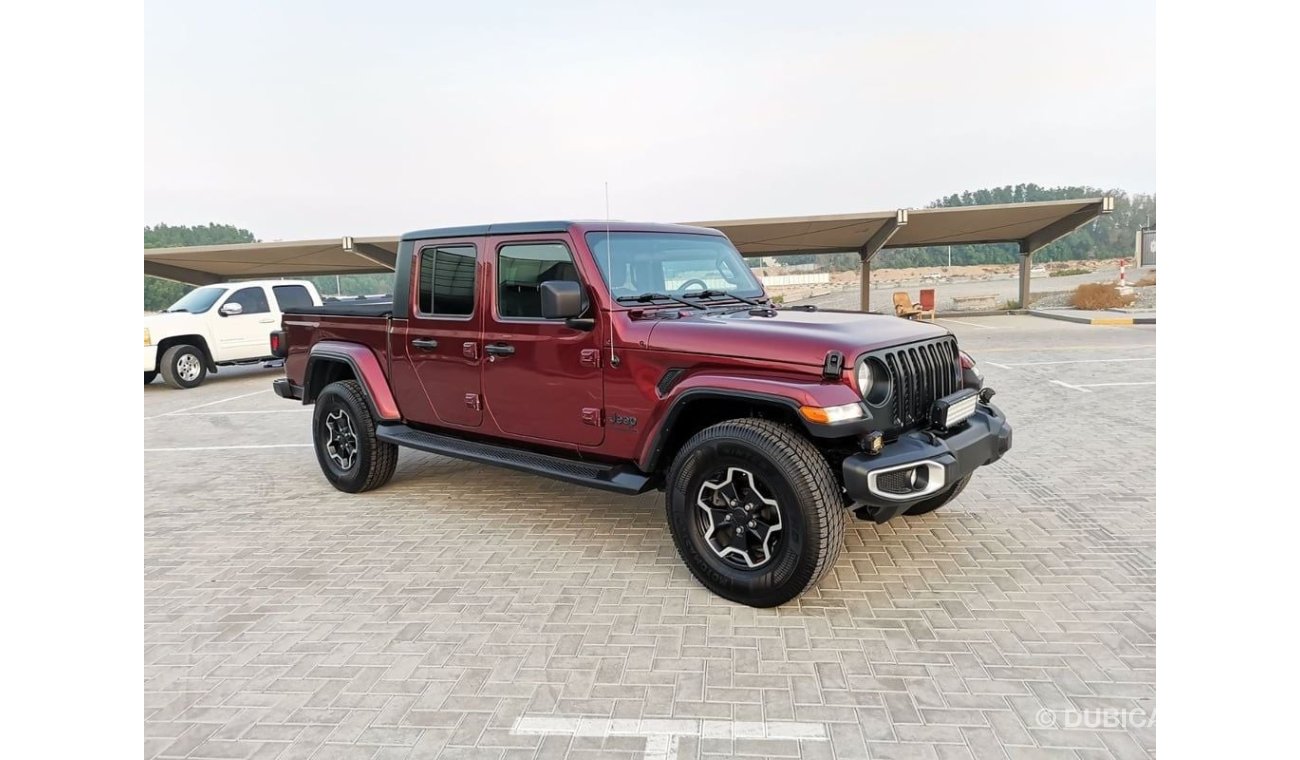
(150, 358)
(982, 439)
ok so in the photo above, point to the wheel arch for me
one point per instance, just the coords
(698, 408)
(193, 339)
(331, 361)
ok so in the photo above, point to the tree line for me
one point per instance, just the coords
(1108, 236)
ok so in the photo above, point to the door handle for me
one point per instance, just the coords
(500, 349)
(267, 321)
(427, 344)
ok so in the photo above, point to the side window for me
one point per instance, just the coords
(447, 280)
(291, 296)
(522, 268)
(252, 299)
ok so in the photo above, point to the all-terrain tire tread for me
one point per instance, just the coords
(384, 462)
(783, 442)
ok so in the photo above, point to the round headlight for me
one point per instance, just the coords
(864, 378)
(873, 381)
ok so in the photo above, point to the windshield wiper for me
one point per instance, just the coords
(723, 293)
(173, 311)
(648, 297)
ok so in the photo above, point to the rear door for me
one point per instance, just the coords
(541, 378)
(441, 341)
(245, 335)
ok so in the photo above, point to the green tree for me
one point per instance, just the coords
(160, 293)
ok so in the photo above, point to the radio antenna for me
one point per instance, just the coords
(609, 275)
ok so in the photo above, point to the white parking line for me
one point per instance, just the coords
(1083, 387)
(210, 403)
(663, 735)
(218, 414)
(1072, 361)
(1072, 387)
(228, 448)
(971, 324)
(1100, 347)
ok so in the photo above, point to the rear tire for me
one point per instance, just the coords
(183, 366)
(149, 377)
(926, 506)
(754, 511)
(343, 431)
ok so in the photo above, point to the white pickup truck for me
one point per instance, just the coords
(217, 325)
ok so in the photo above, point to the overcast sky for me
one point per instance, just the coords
(323, 118)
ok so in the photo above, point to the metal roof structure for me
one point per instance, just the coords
(1030, 225)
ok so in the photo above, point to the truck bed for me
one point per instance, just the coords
(346, 309)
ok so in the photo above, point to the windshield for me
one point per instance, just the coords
(197, 301)
(636, 263)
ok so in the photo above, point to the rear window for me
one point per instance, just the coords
(447, 280)
(292, 296)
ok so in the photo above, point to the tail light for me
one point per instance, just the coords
(277, 344)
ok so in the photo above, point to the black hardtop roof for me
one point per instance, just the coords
(531, 228)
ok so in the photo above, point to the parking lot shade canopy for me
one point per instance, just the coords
(1031, 225)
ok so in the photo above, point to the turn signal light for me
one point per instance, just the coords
(826, 415)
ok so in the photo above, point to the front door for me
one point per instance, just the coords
(442, 339)
(245, 335)
(541, 378)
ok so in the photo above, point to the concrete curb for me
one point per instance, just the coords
(1081, 319)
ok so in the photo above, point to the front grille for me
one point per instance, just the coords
(921, 373)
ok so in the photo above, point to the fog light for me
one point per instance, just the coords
(873, 443)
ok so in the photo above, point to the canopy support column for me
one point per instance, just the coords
(1026, 263)
(869, 250)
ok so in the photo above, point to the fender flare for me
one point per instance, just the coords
(761, 390)
(367, 369)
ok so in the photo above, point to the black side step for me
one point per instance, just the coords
(619, 478)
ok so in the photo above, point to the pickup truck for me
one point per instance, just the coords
(630, 357)
(218, 325)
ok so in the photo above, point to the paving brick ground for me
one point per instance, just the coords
(286, 620)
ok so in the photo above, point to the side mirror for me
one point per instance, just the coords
(561, 299)
(231, 309)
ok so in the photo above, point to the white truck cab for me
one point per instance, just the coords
(215, 325)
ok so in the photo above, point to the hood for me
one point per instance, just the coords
(800, 337)
(176, 323)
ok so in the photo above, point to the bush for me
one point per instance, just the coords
(1068, 272)
(1100, 295)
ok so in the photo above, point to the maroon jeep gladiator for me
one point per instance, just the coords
(628, 357)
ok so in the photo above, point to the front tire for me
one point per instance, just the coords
(183, 367)
(926, 506)
(754, 511)
(343, 431)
